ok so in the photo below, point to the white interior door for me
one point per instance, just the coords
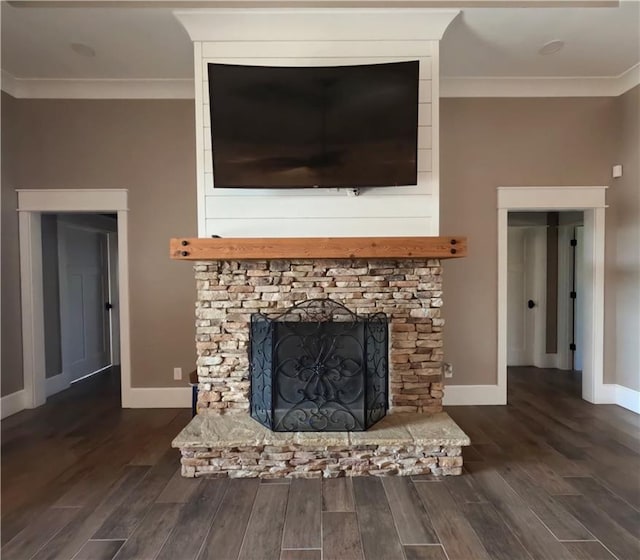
(84, 282)
(535, 255)
(516, 298)
(526, 282)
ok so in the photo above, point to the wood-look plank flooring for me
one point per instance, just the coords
(548, 477)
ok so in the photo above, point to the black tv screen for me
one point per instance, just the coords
(337, 126)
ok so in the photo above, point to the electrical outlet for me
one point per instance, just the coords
(448, 370)
(177, 373)
(616, 171)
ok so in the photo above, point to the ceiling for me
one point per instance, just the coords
(148, 43)
(505, 41)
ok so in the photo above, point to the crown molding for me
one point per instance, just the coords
(34, 88)
(308, 24)
(606, 86)
(629, 79)
(48, 88)
(8, 83)
(183, 4)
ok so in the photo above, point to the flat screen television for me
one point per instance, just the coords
(303, 127)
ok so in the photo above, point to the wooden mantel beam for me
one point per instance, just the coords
(242, 248)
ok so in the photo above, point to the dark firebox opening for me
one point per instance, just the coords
(318, 367)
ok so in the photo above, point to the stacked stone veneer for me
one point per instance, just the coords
(295, 461)
(409, 292)
(400, 444)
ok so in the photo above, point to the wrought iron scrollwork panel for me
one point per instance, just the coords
(260, 363)
(318, 367)
(377, 356)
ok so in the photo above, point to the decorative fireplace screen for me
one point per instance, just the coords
(318, 367)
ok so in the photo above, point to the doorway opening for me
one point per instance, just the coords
(545, 289)
(591, 202)
(545, 292)
(80, 297)
(109, 343)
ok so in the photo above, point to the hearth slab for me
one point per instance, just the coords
(413, 429)
(402, 429)
(236, 446)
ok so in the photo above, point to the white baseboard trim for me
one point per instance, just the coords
(56, 384)
(605, 394)
(157, 397)
(13, 403)
(628, 398)
(546, 361)
(464, 395)
(455, 395)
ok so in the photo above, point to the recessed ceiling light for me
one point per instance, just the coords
(83, 50)
(551, 47)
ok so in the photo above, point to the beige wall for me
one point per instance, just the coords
(486, 143)
(11, 343)
(624, 198)
(148, 148)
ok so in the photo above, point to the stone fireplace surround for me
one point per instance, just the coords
(397, 275)
(415, 438)
(409, 292)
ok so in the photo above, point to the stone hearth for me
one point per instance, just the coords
(401, 444)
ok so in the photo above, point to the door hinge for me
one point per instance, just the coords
(573, 242)
(572, 347)
(572, 295)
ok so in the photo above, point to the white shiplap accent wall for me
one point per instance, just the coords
(316, 212)
(319, 37)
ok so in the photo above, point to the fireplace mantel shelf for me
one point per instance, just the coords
(242, 248)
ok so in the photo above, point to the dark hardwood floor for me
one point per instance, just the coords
(548, 477)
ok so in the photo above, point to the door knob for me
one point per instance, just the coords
(531, 304)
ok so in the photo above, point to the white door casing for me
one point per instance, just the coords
(31, 204)
(591, 200)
